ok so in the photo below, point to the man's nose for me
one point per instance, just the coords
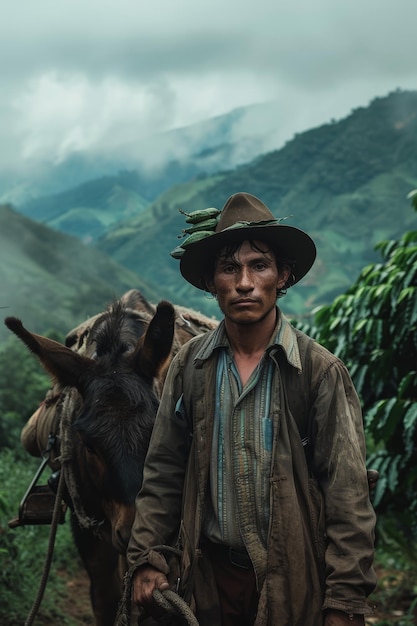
(245, 281)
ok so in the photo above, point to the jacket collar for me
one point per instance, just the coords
(284, 337)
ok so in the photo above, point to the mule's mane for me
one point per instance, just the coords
(112, 341)
(116, 330)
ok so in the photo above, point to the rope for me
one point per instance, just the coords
(168, 600)
(173, 604)
(48, 559)
(66, 460)
(66, 478)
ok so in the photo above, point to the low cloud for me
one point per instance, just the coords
(97, 76)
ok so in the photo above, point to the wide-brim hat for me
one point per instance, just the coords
(245, 217)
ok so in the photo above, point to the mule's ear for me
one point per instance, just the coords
(63, 365)
(157, 342)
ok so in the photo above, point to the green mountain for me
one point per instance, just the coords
(92, 208)
(345, 183)
(53, 281)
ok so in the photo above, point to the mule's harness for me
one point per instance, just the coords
(66, 457)
(66, 480)
(52, 535)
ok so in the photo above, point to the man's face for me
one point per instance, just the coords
(246, 282)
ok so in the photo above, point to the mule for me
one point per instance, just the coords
(110, 376)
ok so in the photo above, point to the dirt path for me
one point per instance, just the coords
(76, 603)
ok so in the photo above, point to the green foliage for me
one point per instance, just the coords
(373, 328)
(396, 562)
(24, 384)
(23, 551)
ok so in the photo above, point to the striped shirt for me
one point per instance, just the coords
(241, 451)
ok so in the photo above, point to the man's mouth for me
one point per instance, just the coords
(245, 301)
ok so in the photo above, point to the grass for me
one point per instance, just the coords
(23, 550)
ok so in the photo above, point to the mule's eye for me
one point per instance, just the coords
(87, 445)
(89, 448)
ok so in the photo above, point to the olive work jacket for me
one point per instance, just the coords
(321, 532)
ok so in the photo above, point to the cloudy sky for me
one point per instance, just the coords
(93, 74)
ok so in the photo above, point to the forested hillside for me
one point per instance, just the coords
(53, 281)
(344, 183)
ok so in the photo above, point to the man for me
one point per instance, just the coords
(256, 467)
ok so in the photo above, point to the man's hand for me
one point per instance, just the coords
(145, 581)
(339, 618)
(373, 477)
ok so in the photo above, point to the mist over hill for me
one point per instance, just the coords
(158, 160)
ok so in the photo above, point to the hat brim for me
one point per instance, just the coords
(289, 242)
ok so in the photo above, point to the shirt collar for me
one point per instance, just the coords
(284, 337)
